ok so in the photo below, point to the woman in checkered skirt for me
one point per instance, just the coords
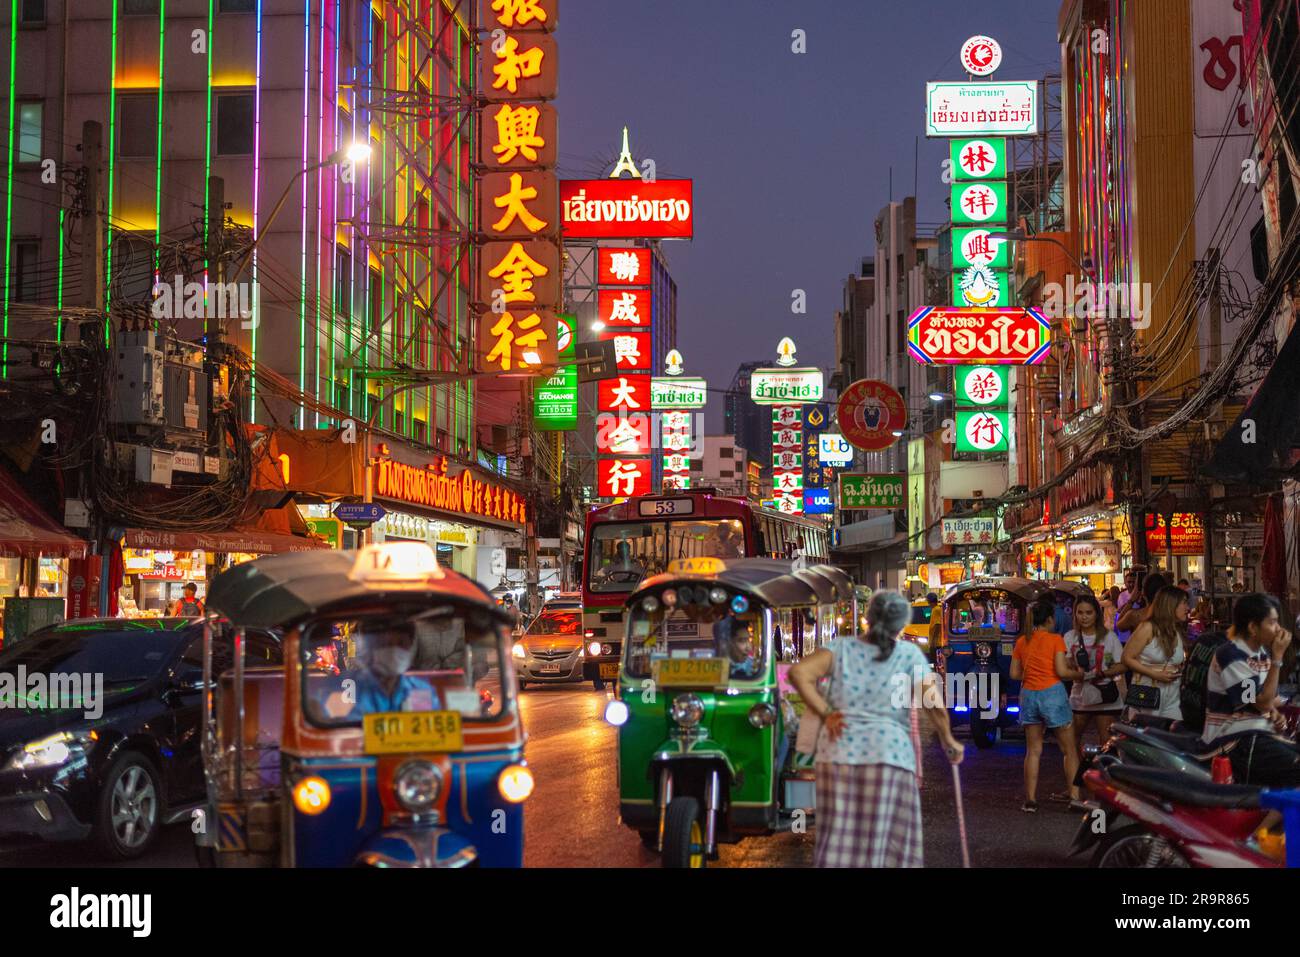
(868, 803)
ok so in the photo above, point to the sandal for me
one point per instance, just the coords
(1061, 797)
(1029, 807)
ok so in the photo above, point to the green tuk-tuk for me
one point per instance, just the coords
(704, 741)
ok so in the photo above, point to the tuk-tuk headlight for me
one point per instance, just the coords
(593, 649)
(607, 649)
(650, 604)
(417, 785)
(740, 604)
(616, 712)
(515, 783)
(718, 595)
(670, 597)
(687, 710)
(311, 795)
(762, 715)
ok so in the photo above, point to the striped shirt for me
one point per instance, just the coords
(1235, 681)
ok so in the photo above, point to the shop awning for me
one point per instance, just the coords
(27, 532)
(1264, 452)
(253, 540)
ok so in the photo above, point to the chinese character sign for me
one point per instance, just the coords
(982, 431)
(623, 434)
(623, 477)
(969, 531)
(979, 202)
(623, 307)
(978, 159)
(974, 246)
(623, 267)
(517, 266)
(676, 438)
(631, 348)
(982, 387)
(623, 393)
(787, 457)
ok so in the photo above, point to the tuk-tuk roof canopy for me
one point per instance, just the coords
(280, 590)
(771, 580)
(1029, 589)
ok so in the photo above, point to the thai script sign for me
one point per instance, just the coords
(969, 531)
(952, 334)
(779, 386)
(869, 490)
(971, 109)
(626, 209)
(678, 393)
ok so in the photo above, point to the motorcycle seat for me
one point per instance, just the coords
(1181, 788)
(1183, 742)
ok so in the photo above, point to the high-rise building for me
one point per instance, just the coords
(750, 423)
(358, 275)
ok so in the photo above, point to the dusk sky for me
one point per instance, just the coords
(790, 153)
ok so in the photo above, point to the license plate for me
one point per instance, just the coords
(549, 669)
(609, 671)
(690, 672)
(400, 731)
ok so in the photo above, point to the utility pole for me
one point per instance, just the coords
(530, 476)
(92, 224)
(216, 244)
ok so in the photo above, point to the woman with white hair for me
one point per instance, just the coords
(868, 802)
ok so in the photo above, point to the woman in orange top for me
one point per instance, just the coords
(1038, 663)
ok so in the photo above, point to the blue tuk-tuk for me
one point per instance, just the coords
(982, 619)
(390, 736)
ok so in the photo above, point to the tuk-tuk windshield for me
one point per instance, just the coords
(441, 659)
(984, 612)
(704, 630)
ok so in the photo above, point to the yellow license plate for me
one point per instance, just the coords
(395, 732)
(690, 672)
(609, 671)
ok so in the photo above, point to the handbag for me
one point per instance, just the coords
(1144, 697)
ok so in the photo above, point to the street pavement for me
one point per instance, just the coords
(572, 818)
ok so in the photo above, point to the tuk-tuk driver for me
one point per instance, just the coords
(733, 639)
(382, 683)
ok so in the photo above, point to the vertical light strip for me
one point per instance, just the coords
(257, 193)
(158, 157)
(63, 213)
(302, 269)
(112, 167)
(320, 202)
(334, 228)
(207, 160)
(9, 164)
(383, 218)
(354, 238)
(364, 399)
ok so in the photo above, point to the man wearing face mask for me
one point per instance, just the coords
(382, 683)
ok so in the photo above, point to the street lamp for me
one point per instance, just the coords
(1020, 236)
(353, 154)
(939, 397)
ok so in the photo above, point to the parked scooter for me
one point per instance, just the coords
(1179, 819)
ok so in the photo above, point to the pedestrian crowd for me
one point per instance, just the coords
(1150, 648)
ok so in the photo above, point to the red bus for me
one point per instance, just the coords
(638, 537)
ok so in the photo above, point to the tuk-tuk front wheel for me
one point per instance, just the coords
(983, 732)
(684, 834)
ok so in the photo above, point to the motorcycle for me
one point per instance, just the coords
(1179, 820)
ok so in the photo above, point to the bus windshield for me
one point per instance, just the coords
(621, 554)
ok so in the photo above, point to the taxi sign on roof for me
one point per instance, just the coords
(396, 562)
(696, 566)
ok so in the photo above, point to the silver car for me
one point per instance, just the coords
(551, 649)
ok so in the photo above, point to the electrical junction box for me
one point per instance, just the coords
(138, 382)
(153, 466)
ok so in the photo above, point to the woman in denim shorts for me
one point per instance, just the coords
(1038, 663)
